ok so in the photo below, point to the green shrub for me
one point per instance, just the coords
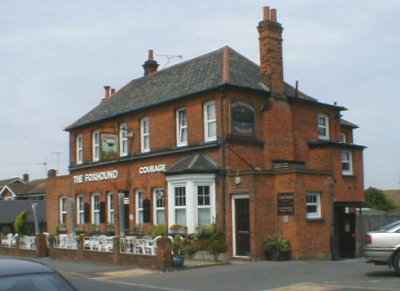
(61, 228)
(204, 232)
(178, 246)
(21, 223)
(376, 199)
(159, 230)
(277, 244)
(217, 245)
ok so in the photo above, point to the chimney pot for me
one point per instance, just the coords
(112, 91)
(274, 15)
(266, 13)
(107, 92)
(151, 55)
(25, 177)
(51, 173)
(150, 66)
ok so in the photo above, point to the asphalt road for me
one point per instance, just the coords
(293, 276)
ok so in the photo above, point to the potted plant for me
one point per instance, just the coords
(110, 229)
(159, 230)
(178, 247)
(277, 249)
(61, 229)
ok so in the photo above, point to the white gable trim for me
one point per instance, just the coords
(9, 189)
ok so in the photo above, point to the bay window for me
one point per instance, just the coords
(110, 208)
(80, 210)
(191, 200)
(159, 206)
(323, 127)
(313, 205)
(347, 163)
(96, 146)
(145, 135)
(79, 149)
(210, 122)
(123, 140)
(139, 206)
(181, 127)
(96, 208)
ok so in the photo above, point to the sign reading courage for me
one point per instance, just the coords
(93, 177)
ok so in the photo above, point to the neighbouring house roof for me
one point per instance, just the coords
(344, 122)
(10, 181)
(10, 209)
(197, 75)
(196, 163)
(32, 188)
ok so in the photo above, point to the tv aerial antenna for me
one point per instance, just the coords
(169, 58)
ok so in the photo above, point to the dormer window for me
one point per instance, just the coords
(79, 149)
(123, 140)
(243, 119)
(96, 146)
(323, 127)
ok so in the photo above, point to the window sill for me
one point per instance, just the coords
(348, 175)
(315, 220)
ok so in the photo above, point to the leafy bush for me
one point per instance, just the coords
(178, 228)
(277, 244)
(61, 228)
(217, 245)
(205, 232)
(20, 223)
(376, 199)
(178, 246)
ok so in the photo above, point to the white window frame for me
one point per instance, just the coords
(96, 146)
(145, 122)
(156, 207)
(207, 122)
(95, 212)
(180, 127)
(318, 213)
(79, 149)
(139, 207)
(80, 211)
(123, 140)
(190, 182)
(324, 126)
(212, 219)
(110, 210)
(62, 209)
(347, 159)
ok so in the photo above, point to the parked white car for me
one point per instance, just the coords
(382, 247)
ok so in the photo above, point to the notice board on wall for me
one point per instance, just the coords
(286, 204)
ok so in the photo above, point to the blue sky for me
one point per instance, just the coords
(56, 56)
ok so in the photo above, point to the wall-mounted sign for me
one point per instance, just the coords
(94, 177)
(109, 146)
(285, 204)
(152, 169)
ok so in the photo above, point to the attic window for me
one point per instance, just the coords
(243, 119)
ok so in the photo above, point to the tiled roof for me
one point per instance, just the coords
(9, 181)
(197, 163)
(11, 208)
(32, 187)
(197, 75)
(348, 123)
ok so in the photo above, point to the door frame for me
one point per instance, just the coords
(235, 197)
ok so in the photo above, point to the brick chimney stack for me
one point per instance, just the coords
(107, 92)
(271, 55)
(150, 66)
(25, 178)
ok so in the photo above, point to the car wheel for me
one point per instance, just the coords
(396, 263)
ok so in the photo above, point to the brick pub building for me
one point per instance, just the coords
(219, 139)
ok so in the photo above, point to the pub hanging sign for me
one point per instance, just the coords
(285, 204)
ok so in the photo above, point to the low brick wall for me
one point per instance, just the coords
(16, 252)
(161, 261)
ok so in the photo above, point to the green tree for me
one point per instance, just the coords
(20, 223)
(377, 199)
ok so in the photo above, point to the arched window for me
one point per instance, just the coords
(63, 210)
(96, 146)
(79, 149)
(123, 140)
(243, 119)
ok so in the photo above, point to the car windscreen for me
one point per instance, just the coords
(34, 282)
(389, 226)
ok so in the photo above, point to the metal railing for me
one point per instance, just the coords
(65, 241)
(27, 242)
(138, 246)
(99, 243)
